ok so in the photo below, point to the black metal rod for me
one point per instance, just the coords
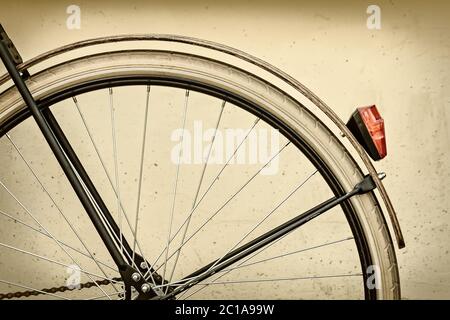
(263, 240)
(60, 156)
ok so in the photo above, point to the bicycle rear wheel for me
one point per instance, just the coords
(355, 235)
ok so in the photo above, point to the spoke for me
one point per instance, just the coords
(268, 237)
(144, 134)
(242, 263)
(224, 273)
(109, 229)
(109, 180)
(56, 205)
(205, 285)
(51, 235)
(198, 188)
(116, 166)
(238, 264)
(251, 256)
(33, 289)
(105, 221)
(266, 217)
(216, 178)
(16, 220)
(265, 239)
(287, 279)
(77, 268)
(186, 100)
(288, 254)
(174, 283)
(231, 198)
(112, 294)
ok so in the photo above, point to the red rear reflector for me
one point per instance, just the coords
(367, 126)
(375, 125)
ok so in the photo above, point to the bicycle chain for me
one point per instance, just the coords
(86, 285)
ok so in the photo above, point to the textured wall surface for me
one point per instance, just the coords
(403, 68)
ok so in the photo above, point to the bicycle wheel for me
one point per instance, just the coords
(180, 211)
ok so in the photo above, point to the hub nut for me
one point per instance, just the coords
(145, 288)
(136, 277)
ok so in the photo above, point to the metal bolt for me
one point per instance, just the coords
(143, 265)
(145, 288)
(136, 277)
(381, 175)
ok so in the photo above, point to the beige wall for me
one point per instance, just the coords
(403, 68)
